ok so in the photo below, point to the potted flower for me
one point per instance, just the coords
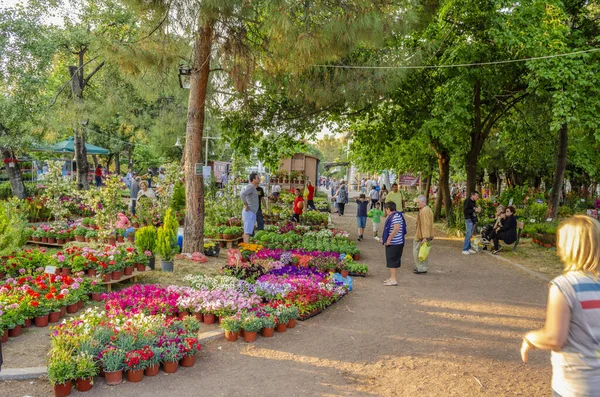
(80, 233)
(292, 314)
(113, 360)
(231, 325)
(190, 346)
(37, 234)
(136, 363)
(145, 242)
(120, 234)
(268, 325)
(111, 239)
(51, 236)
(171, 355)
(61, 371)
(85, 370)
(96, 290)
(153, 362)
(90, 235)
(251, 325)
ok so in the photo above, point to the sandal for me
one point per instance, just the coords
(386, 281)
(389, 284)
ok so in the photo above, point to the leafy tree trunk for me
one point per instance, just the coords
(444, 188)
(427, 187)
(117, 164)
(194, 184)
(559, 174)
(437, 214)
(79, 136)
(14, 176)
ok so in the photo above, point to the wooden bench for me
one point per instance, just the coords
(520, 227)
(228, 243)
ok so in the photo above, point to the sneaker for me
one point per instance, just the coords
(466, 253)
(472, 251)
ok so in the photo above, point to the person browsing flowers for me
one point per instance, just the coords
(393, 240)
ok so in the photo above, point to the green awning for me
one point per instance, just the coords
(68, 146)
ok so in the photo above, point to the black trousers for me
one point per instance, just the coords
(341, 208)
(497, 236)
(311, 205)
(373, 203)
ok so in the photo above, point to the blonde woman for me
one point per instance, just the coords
(145, 191)
(572, 329)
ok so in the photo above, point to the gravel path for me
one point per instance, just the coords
(453, 332)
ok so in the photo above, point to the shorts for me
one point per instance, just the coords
(361, 221)
(375, 226)
(393, 255)
(249, 219)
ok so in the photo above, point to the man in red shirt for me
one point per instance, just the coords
(298, 206)
(309, 198)
(98, 175)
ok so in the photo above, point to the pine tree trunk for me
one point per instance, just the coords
(79, 133)
(117, 164)
(194, 184)
(559, 174)
(14, 176)
(444, 188)
(428, 186)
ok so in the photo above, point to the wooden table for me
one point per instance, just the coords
(228, 243)
(133, 276)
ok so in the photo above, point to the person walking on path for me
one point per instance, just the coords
(310, 197)
(424, 234)
(374, 195)
(396, 196)
(133, 193)
(393, 240)
(298, 206)
(375, 214)
(98, 175)
(572, 329)
(260, 220)
(361, 215)
(341, 198)
(471, 210)
(250, 200)
(382, 196)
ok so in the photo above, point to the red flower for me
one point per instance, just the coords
(34, 303)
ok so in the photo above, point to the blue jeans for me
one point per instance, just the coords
(468, 234)
(260, 220)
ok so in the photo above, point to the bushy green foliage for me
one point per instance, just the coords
(13, 231)
(145, 239)
(166, 242)
(178, 198)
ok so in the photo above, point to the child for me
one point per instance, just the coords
(376, 214)
(361, 215)
(298, 206)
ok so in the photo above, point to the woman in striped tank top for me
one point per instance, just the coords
(572, 329)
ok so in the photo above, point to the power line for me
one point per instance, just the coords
(460, 64)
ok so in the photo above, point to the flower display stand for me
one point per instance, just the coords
(229, 243)
(133, 276)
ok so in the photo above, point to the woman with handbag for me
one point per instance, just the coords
(423, 236)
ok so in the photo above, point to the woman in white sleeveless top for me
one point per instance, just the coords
(572, 329)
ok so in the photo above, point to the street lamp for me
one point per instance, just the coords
(185, 77)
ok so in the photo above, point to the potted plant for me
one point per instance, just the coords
(251, 325)
(268, 325)
(145, 242)
(120, 234)
(37, 234)
(61, 371)
(166, 241)
(292, 315)
(91, 235)
(136, 363)
(80, 233)
(113, 362)
(111, 239)
(51, 237)
(153, 362)
(170, 357)
(231, 325)
(228, 233)
(190, 346)
(85, 370)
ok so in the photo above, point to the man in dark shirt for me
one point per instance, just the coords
(260, 220)
(470, 210)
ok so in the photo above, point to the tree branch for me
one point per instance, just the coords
(69, 81)
(86, 81)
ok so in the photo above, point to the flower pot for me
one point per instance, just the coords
(128, 271)
(84, 384)
(209, 319)
(281, 327)
(65, 271)
(131, 238)
(27, 323)
(102, 374)
(140, 267)
(231, 336)
(60, 241)
(547, 245)
(72, 308)
(151, 262)
(356, 257)
(120, 239)
(228, 236)
(54, 317)
(152, 370)
(166, 266)
(36, 239)
(170, 367)
(114, 377)
(51, 240)
(96, 296)
(345, 273)
(107, 277)
(80, 239)
(80, 305)
(188, 361)
(16, 331)
(199, 317)
(44, 239)
(5, 336)
(92, 272)
(268, 332)
(241, 333)
(136, 225)
(116, 275)
(183, 314)
(62, 390)
(249, 337)
(135, 376)
(41, 321)
(291, 323)
(112, 241)
(63, 311)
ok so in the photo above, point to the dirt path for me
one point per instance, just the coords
(453, 332)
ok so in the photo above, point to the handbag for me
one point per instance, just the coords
(424, 251)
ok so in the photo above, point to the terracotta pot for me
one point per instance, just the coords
(80, 239)
(54, 317)
(44, 239)
(65, 271)
(249, 336)
(209, 319)
(120, 239)
(268, 332)
(16, 331)
(281, 327)
(113, 378)
(241, 333)
(102, 374)
(36, 239)
(356, 257)
(183, 314)
(80, 305)
(135, 376)
(60, 241)
(152, 370)
(131, 238)
(63, 311)
(51, 240)
(41, 321)
(62, 390)
(345, 273)
(170, 367)
(96, 296)
(72, 308)
(84, 384)
(117, 275)
(291, 323)
(92, 272)
(199, 317)
(112, 241)
(136, 225)
(27, 323)
(107, 277)
(231, 336)
(5, 336)
(140, 267)
(228, 236)
(128, 271)
(188, 361)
